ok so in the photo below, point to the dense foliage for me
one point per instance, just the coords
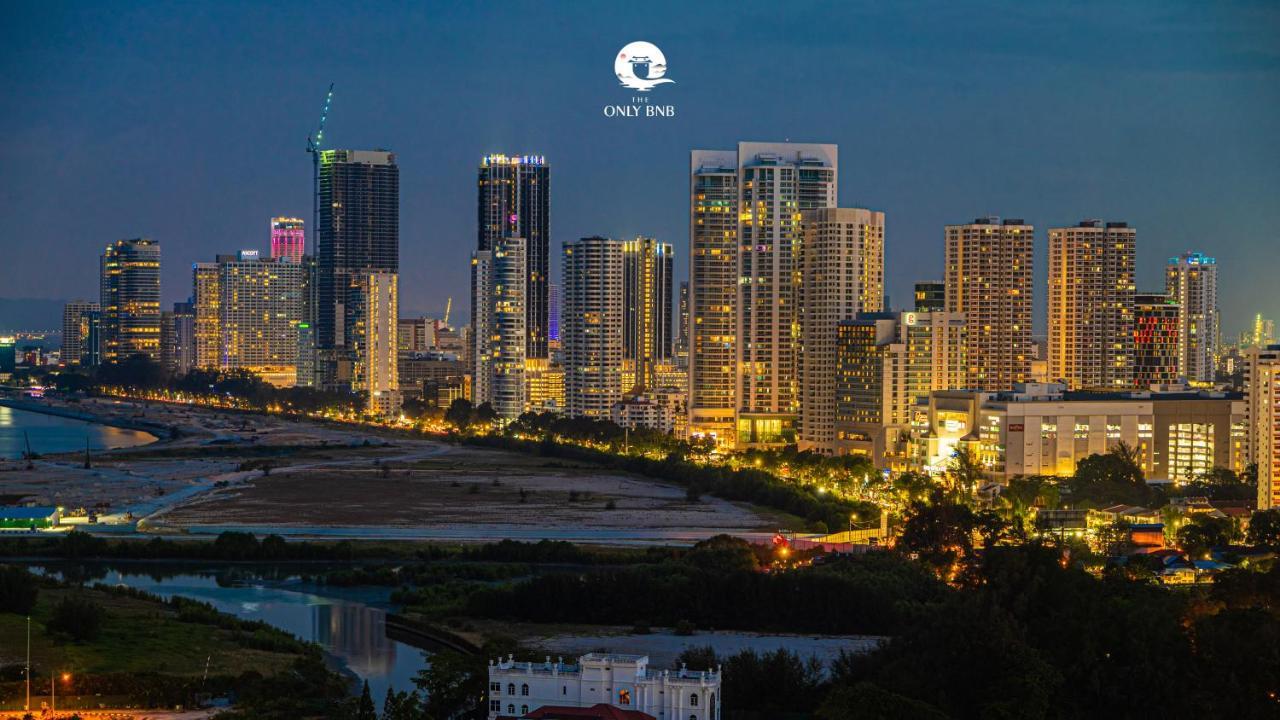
(708, 587)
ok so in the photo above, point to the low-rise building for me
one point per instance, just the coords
(35, 517)
(1043, 429)
(625, 682)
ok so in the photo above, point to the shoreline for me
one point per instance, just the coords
(159, 431)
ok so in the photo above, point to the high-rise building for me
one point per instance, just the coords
(91, 344)
(884, 364)
(374, 303)
(130, 302)
(841, 268)
(168, 342)
(647, 267)
(498, 312)
(358, 234)
(206, 297)
(416, 335)
(514, 200)
(989, 279)
(1191, 280)
(259, 308)
(1091, 288)
(682, 327)
(744, 237)
(288, 239)
(931, 296)
(545, 382)
(553, 312)
(592, 326)
(306, 376)
(713, 294)
(1155, 340)
(75, 329)
(1262, 403)
(1261, 333)
(245, 313)
(8, 356)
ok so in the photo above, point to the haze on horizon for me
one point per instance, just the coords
(187, 123)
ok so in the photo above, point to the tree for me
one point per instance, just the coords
(452, 683)
(940, 532)
(912, 486)
(18, 590)
(868, 701)
(365, 709)
(1113, 478)
(1264, 529)
(459, 414)
(966, 472)
(79, 617)
(401, 706)
(1205, 532)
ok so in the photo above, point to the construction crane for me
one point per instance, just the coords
(313, 147)
(447, 307)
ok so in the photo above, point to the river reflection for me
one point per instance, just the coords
(350, 624)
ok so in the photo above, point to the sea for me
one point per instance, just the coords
(50, 434)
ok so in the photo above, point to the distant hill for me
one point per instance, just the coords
(21, 314)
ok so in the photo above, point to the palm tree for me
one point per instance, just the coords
(966, 471)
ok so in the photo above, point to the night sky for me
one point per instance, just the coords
(187, 123)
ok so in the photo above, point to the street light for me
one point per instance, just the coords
(53, 690)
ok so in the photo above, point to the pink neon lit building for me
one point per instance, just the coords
(288, 240)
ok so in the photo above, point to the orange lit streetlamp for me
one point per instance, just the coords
(53, 690)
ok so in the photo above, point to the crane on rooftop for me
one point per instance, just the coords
(313, 147)
(447, 307)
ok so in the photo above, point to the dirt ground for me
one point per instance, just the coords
(352, 481)
(459, 486)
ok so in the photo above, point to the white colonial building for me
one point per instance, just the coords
(625, 682)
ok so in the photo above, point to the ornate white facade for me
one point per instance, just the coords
(623, 681)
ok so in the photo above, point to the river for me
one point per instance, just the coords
(349, 623)
(52, 434)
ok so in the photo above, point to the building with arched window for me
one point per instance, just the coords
(604, 685)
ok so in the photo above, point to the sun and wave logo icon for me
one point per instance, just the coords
(641, 66)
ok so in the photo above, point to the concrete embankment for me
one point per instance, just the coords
(426, 637)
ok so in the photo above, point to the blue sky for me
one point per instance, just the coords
(187, 123)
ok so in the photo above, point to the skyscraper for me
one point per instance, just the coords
(374, 303)
(1191, 280)
(1091, 288)
(884, 363)
(682, 327)
(1262, 409)
(206, 297)
(259, 308)
(130, 302)
(75, 329)
(514, 200)
(288, 239)
(498, 313)
(931, 296)
(841, 270)
(553, 312)
(359, 234)
(747, 205)
(1155, 340)
(713, 294)
(647, 267)
(989, 279)
(592, 326)
(245, 313)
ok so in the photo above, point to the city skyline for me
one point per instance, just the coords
(626, 178)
